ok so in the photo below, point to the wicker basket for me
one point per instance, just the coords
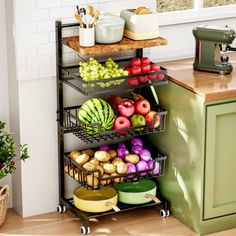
(4, 193)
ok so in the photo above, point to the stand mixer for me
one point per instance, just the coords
(212, 45)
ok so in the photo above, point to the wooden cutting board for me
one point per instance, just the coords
(124, 44)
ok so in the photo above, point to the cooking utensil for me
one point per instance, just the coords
(78, 18)
(95, 17)
(77, 8)
(90, 10)
(87, 20)
(109, 29)
(82, 11)
(101, 200)
(137, 192)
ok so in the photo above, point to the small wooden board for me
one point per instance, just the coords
(124, 44)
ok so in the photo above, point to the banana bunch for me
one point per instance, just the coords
(142, 10)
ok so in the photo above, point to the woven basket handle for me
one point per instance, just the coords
(4, 190)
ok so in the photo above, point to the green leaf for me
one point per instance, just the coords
(8, 152)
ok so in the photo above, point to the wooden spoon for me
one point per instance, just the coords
(78, 17)
(90, 10)
(96, 15)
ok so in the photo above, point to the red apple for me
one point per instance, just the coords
(152, 117)
(128, 68)
(145, 68)
(145, 60)
(121, 122)
(114, 101)
(135, 62)
(133, 82)
(135, 70)
(160, 76)
(143, 79)
(126, 108)
(142, 106)
(153, 76)
(155, 67)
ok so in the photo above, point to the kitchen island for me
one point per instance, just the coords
(200, 142)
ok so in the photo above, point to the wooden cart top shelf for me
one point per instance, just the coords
(123, 45)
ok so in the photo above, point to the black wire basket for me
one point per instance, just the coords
(73, 125)
(72, 77)
(93, 179)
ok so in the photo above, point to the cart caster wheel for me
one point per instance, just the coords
(61, 208)
(85, 230)
(164, 213)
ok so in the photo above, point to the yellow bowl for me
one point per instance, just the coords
(95, 200)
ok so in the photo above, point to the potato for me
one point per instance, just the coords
(107, 181)
(96, 174)
(118, 179)
(92, 181)
(103, 163)
(133, 158)
(66, 168)
(121, 168)
(77, 176)
(116, 160)
(74, 155)
(109, 168)
(89, 166)
(81, 159)
(94, 161)
(112, 153)
(102, 156)
(69, 170)
(89, 152)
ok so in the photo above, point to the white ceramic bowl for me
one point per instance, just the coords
(109, 29)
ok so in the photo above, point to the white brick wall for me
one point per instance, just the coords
(48, 3)
(35, 34)
(23, 5)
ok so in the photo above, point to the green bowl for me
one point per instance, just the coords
(134, 192)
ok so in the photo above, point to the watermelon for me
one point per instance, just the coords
(95, 113)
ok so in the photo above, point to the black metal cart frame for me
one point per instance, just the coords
(65, 203)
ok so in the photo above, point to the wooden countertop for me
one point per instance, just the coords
(211, 86)
(124, 44)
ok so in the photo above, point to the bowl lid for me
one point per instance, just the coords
(103, 193)
(110, 20)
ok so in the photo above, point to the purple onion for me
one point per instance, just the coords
(130, 169)
(121, 145)
(137, 141)
(122, 152)
(151, 166)
(136, 149)
(141, 166)
(145, 155)
(104, 148)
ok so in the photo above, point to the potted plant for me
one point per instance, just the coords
(7, 164)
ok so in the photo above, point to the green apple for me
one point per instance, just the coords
(138, 120)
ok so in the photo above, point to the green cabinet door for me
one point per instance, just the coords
(220, 160)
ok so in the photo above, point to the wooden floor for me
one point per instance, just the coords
(141, 222)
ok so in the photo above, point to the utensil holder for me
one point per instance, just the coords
(86, 37)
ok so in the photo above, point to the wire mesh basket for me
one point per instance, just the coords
(73, 125)
(72, 77)
(93, 179)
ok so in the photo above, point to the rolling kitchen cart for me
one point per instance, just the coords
(68, 121)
